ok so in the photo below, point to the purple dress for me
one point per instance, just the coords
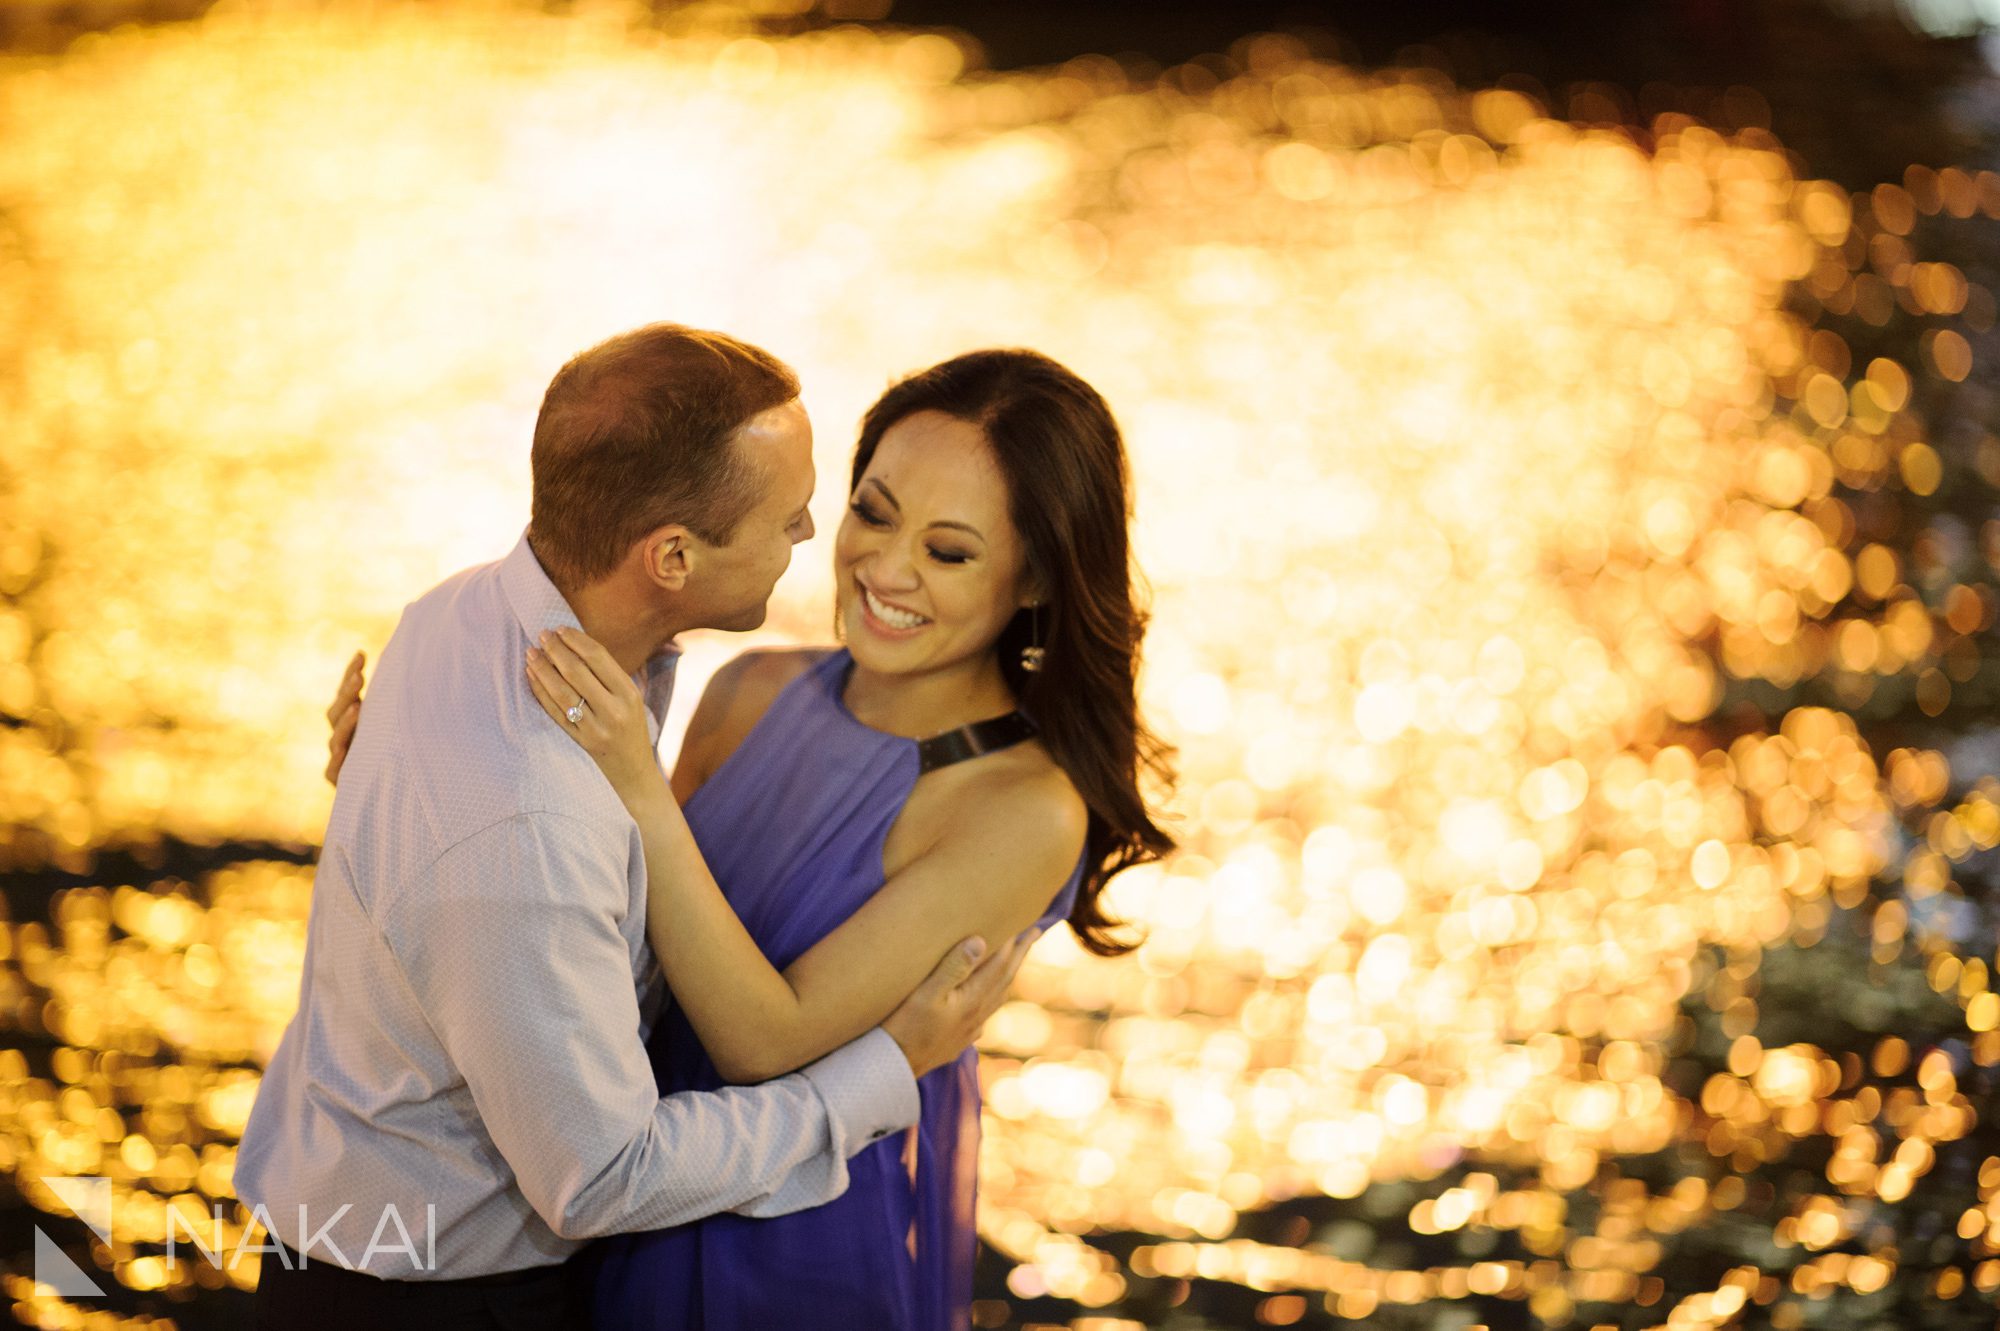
(792, 825)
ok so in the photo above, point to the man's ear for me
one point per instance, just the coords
(669, 556)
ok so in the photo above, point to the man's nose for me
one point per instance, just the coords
(806, 530)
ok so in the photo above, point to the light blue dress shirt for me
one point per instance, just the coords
(466, 1073)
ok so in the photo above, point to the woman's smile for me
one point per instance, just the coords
(887, 618)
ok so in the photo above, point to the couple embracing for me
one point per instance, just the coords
(633, 1052)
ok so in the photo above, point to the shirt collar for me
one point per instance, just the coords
(538, 605)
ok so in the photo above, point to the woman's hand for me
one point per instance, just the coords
(344, 715)
(571, 668)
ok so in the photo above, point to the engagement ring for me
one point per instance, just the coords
(575, 713)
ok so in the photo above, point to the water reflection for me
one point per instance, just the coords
(1504, 487)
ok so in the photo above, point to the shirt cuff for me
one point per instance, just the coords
(868, 1089)
(868, 1092)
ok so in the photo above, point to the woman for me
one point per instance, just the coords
(863, 809)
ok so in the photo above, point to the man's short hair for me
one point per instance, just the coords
(639, 432)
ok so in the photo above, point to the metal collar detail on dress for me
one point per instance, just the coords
(955, 746)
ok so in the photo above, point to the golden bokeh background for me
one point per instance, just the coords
(1488, 469)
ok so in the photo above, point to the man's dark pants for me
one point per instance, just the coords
(321, 1295)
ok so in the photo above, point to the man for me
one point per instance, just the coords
(464, 1095)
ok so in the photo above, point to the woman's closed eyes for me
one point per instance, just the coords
(862, 509)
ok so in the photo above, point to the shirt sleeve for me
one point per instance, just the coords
(511, 944)
(869, 1093)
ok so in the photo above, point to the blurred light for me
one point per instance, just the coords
(1479, 457)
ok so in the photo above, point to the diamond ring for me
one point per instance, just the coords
(575, 712)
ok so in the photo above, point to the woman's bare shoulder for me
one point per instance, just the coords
(758, 675)
(735, 699)
(1018, 798)
(1014, 824)
(1025, 783)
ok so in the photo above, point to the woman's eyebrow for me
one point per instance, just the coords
(889, 495)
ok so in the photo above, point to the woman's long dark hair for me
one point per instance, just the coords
(1068, 494)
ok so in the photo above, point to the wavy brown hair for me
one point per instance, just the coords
(1069, 494)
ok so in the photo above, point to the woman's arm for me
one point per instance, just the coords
(983, 877)
(991, 871)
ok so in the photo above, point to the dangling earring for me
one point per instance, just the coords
(1034, 653)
